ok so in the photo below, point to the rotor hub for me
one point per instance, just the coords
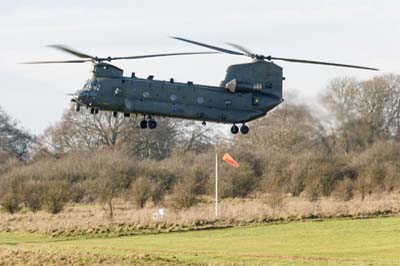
(260, 57)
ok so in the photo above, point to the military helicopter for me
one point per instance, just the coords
(249, 90)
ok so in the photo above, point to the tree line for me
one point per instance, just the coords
(348, 147)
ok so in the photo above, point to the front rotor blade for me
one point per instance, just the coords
(70, 50)
(319, 63)
(156, 55)
(208, 46)
(57, 62)
(241, 48)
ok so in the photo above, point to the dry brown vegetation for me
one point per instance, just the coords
(44, 257)
(80, 219)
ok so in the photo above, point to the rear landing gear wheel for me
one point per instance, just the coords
(143, 124)
(244, 129)
(115, 114)
(77, 107)
(152, 124)
(234, 129)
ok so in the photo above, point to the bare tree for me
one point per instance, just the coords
(195, 137)
(79, 131)
(364, 111)
(83, 131)
(288, 128)
(113, 176)
(14, 141)
(154, 143)
(378, 103)
(170, 134)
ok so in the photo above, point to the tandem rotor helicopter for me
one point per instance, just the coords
(248, 91)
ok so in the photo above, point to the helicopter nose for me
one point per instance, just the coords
(82, 96)
(87, 96)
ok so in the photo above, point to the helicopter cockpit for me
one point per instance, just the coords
(89, 91)
(91, 85)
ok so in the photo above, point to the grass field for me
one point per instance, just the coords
(333, 242)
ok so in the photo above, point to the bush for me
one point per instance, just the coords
(11, 203)
(162, 174)
(56, 196)
(11, 189)
(313, 189)
(239, 182)
(141, 191)
(77, 192)
(344, 190)
(184, 195)
(113, 179)
(157, 193)
(33, 195)
(282, 172)
(378, 168)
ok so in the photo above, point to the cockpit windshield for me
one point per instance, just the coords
(91, 85)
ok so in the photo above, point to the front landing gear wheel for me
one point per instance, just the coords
(152, 124)
(244, 129)
(234, 129)
(143, 124)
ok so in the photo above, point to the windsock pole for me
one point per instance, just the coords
(216, 185)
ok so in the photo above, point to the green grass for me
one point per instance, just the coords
(333, 242)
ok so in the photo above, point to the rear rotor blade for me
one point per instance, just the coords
(318, 63)
(70, 50)
(241, 48)
(156, 55)
(57, 62)
(208, 46)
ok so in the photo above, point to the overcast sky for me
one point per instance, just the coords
(355, 31)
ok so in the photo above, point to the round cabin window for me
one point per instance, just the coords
(200, 100)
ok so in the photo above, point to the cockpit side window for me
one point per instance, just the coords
(91, 85)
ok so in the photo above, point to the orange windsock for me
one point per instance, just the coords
(227, 158)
